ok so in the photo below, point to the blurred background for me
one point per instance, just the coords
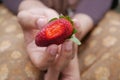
(99, 55)
(118, 8)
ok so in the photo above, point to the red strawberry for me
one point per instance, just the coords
(55, 32)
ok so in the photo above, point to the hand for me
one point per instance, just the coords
(70, 72)
(32, 20)
(43, 57)
(36, 17)
(63, 64)
(53, 58)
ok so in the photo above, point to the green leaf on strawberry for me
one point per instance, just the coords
(53, 19)
(66, 17)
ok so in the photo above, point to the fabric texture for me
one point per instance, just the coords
(99, 54)
(12, 5)
(14, 61)
(95, 8)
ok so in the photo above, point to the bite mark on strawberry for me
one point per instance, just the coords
(56, 32)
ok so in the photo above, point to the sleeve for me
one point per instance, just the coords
(94, 8)
(12, 5)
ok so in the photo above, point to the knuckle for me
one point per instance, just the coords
(68, 50)
(68, 55)
(41, 67)
(44, 65)
(40, 64)
(20, 14)
(20, 17)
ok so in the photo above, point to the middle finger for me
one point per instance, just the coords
(65, 56)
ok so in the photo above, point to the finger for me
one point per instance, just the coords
(42, 57)
(43, 20)
(51, 74)
(77, 27)
(52, 14)
(65, 56)
(72, 71)
(77, 24)
(29, 20)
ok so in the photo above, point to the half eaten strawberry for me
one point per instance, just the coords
(56, 32)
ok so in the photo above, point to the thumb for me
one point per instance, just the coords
(41, 21)
(31, 21)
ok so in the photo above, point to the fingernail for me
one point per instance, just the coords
(68, 46)
(53, 50)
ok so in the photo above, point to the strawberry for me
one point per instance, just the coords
(55, 32)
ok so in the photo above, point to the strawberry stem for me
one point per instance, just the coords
(66, 17)
(75, 40)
